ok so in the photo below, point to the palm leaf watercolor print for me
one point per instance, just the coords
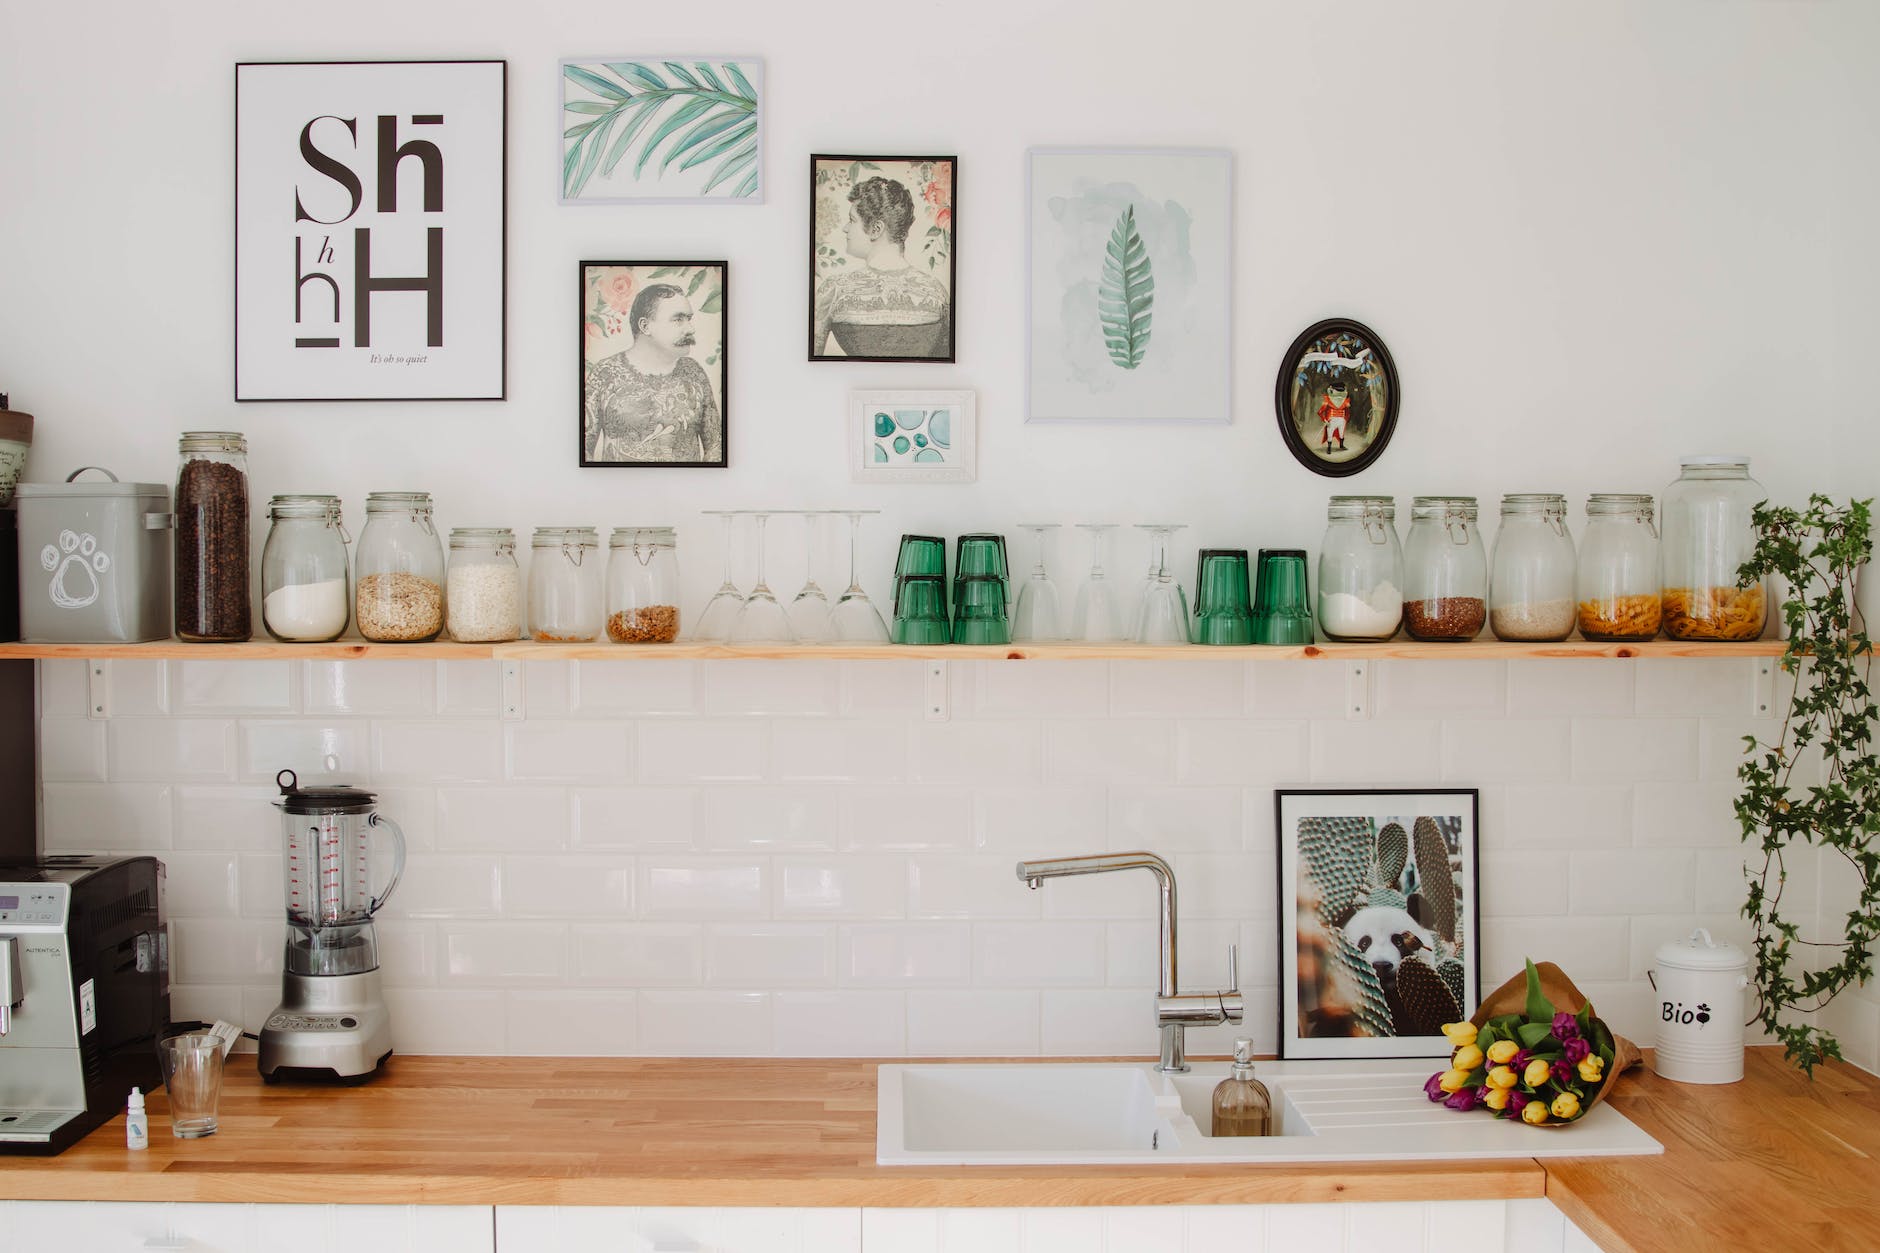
(660, 115)
(1126, 297)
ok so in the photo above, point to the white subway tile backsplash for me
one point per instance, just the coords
(203, 885)
(407, 953)
(1110, 751)
(770, 955)
(982, 753)
(1634, 750)
(607, 689)
(395, 689)
(1034, 689)
(1571, 687)
(904, 817)
(1591, 946)
(1040, 821)
(839, 1024)
(512, 819)
(981, 1022)
(702, 752)
(548, 689)
(699, 887)
(567, 887)
(262, 886)
(1636, 881)
(485, 954)
(568, 1023)
(1176, 819)
(1515, 885)
(72, 750)
(225, 951)
(635, 955)
(1130, 894)
(1567, 815)
(443, 1020)
(1242, 753)
(1038, 954)
(469, 689)
(1507, 752)
(1407, 752)
(437, 752)
(1297, 689)
(138, 689)
(649, 818)
(1685, 815)
(851, 886)
(1134, 950)
(233, 687)
(1722, 887)
(889, 689)
(570, 752)
(1227, 885)
(1440, 689)
(1689, 687)
(172, 750)
(811, 751)
(1178, 689)
(114, 817)
(1098, 1022)
(778, 819)
(895, 955)
(797, 687)
(319, 752)
(705, 1024)
(967, 887)
(62, 687)
(434, 886)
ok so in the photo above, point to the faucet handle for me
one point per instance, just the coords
(1233, 968)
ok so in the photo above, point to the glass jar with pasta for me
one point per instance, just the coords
(1618, 582)
(1708, 532)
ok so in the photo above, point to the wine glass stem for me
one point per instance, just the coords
(729, 537)
(812, 532)
(855, 527)
(763, 572)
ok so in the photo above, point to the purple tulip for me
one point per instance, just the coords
(1521, 1060)
(1465, 1099)
(1565, 1027)
(1434, 1088)
(1563, 1073)
(1516, 1100)
(1578, 1050)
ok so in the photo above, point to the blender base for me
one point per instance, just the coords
(327, 1027)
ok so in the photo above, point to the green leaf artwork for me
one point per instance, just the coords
(1126, 297)
(661, 115)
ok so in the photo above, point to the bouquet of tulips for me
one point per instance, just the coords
(1525, 1058)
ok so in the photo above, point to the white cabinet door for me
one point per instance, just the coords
(608, 1229)
(109, 1227)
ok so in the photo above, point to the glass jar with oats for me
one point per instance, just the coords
(1617, 592)
(1708, 532)
(643, 585)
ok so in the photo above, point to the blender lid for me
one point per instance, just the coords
(321, 800)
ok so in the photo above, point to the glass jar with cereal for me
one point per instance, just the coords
(643, 585)
(399, 596)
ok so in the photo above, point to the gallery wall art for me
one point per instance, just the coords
(653, 350)
(1129, 285)
(881, 258)
(369, 230)
(1337, 397)
(645, 129)
(912, 436)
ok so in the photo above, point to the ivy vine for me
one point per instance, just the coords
(1819, 551)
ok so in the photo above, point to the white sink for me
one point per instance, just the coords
(1109, 1113)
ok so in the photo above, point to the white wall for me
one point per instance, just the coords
(1647, 220)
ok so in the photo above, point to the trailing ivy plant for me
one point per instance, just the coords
(1818, 551)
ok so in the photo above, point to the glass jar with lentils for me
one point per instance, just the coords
(1445, 571)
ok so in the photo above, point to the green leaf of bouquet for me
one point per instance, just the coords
(594, 82)
(1539, 1008)
(1532, 1033)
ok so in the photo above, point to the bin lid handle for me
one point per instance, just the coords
(100, 469)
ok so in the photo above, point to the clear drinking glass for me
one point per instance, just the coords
(722, 609)
(1040, 613)
(855, 617)
(809, 612)
(1162, 618)
(1097, 617)
(762, 620)
(192, 1076)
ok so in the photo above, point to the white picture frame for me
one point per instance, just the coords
(699, 140)
(311, 141)
(947, 424)
(1129, 285)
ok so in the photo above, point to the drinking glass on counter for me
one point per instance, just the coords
(1162, 618)
(1097, 617)
(714, 624)
(1039, 616)
(855, 618)
(192, 1075)
(762, 620)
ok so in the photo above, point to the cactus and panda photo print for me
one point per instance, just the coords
(1378, 920)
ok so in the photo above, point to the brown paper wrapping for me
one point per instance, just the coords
(1511, 998)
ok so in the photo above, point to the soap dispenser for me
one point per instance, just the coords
(1242, 1105)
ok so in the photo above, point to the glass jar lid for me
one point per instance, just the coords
(1362, 507)
(1606, 504)
(642, 537)
(1533, 502)
(295, 505)
(398, 502)
(482, 537)
(564, 536)
(1713, 461)
(1444, 506)
(212, 441)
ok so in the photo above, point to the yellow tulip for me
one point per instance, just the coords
(1503, 1077)
(1468, 1057)
(1460, 1033)
(1501, 1052)
(1566, 1105)
(1453, 1080)
(1534, 1112)
(1497, 1098)
(1537, 1072)
(1590, 1070)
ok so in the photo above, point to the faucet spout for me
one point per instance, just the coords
(1034, 873)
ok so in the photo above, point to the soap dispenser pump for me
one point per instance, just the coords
(1242, 1105)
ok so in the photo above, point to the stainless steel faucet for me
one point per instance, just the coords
(1175, 1010)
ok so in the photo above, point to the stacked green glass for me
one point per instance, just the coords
(1222, 609)
(1280, 608)
(920, 591)
(979, 591)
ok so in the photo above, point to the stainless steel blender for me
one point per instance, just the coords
(332, 1021)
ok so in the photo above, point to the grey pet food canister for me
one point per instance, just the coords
(94, 561)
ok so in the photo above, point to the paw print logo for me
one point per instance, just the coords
(1703, 1013)
(75, 564)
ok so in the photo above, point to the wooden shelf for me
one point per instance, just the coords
(446, 650)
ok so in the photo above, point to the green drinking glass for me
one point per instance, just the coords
(1280, 612)
(981, 555)
(979, 611)
(1221, 597)
(922, 555)
(921, 610)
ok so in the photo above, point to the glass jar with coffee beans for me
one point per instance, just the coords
(643, 585)
(212, 538)
(1445, 571)
(400, 594)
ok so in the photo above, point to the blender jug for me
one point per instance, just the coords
(328, 875)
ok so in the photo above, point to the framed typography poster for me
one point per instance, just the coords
(369, 230)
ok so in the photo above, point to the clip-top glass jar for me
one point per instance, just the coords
(1709, 531)
(1530, 586)
(305, 589)
(1360, 569)
(1445, 572)
(643, 585)
(212, 538)
(565, 605)
(1618, 581)
(483, 592)
(400, 595)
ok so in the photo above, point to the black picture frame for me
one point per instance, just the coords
(589, 433)
(501, 391)
(1286, 400)
(1334, 950)
(885, 341)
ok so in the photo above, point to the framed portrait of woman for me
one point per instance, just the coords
(653, 363)
(881, 258)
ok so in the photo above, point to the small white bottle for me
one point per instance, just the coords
(137, 1123)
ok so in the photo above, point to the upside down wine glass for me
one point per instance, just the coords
(762, 620)
(1039, 616)
(1096, 618)
(809, 612)
(855, 617)
(714, 624)
(1162, 618)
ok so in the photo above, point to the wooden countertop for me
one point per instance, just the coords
(1773, 1160)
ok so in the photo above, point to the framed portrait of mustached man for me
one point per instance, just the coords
(881, 258)
(1377, 904)
(653, 348)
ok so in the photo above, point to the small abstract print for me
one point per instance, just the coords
(912, 437)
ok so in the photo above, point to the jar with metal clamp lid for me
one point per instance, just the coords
(1360, 569)
(400, 595)
(1445, 572)
(1530, 588)
(1617, 586)
(565, 604)
(643, 585)
(305, 585)
(484, 588)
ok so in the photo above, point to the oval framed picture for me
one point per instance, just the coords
(1337, 397)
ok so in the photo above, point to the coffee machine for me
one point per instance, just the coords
(84, 994)
(332, 1022)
